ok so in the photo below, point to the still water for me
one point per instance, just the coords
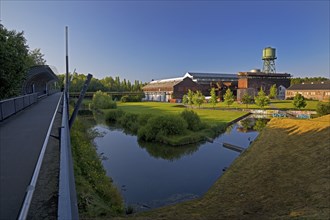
(153, 175)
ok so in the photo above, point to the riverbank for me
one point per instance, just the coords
(143, 119)
(96, 195)
(284, 174)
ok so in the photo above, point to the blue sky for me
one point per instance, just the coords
(147, 40)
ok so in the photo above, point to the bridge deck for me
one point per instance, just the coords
(21, 139)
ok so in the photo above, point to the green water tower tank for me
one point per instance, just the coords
(269, 53)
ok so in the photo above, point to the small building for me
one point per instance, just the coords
(174, 88)
(251, 82)
(317, 91)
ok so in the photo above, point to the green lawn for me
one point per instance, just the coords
(281, 104)
(208, 115)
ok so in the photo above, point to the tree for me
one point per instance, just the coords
(273, 92)
(261, 99)
(299, 101)
(190, 96)
(246, 99)
(323, 108)
(229, 97)
(185, 99)
(13, 62)
(198, 98)
(214, 98)
(35, 57)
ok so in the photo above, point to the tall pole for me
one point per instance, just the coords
(66, 61)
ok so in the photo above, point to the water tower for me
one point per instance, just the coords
(269, 57)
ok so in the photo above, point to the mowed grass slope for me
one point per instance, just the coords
(159, 108)
(285, 174)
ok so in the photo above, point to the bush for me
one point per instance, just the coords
(192, 119)
(102, 100)
(114, 115)
(323, 108)
(159, 127)
(131, 98)
(129, 121)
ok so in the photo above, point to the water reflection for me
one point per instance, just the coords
(168, 152)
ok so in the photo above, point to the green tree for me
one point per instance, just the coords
(185, 99)
(190, 96)
(229, 97)
(13, 62)
(198, 98)
(299, 101)
(323, 108)
(214, 98)
(246, 99)
(273, 92)
(35, 57)
(261, 99)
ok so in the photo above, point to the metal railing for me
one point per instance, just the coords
(67, 200)
(9, 107)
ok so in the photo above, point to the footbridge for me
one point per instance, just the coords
(36, 166)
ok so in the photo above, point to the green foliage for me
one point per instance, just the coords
(159, 127)
(307, 80)
(247, 99)
(229, 97)
(13, 62)
(299, 101)
(185, 100)
(190, 97)
(261, 99)
(198, 98)
(102, 100)
(96, 194)
(192, 119)
(131, 98)
(214, 98)
(114, 114)
(35, 57)
(323, 108)
(273, 92)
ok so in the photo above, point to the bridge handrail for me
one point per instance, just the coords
(8, 107)
(67, 200)
(33, 183)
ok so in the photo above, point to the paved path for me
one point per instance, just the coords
(21, 139)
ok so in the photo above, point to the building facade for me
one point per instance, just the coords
(251, 83)
(317, 91)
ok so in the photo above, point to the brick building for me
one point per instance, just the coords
(251, 82)
(318, 91)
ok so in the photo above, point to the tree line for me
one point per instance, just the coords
(15, 60)
(106, 84)
(299, 80)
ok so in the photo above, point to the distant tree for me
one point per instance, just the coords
(307, 80)
(323, 108)
(273, 92)
(13, 62)
(261, 99)
(299, 101)
(190, 96)
(185, 99)
(229, 97)
(198, 98)
(246, 99)
(214, 98)
(35, 57)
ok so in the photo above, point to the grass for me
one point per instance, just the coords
(159, 108)
(285, 174)
(281, 104)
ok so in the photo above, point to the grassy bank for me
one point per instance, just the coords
(170, 123)
(283, 175)
(97, 197)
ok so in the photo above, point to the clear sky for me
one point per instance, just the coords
(147, 40)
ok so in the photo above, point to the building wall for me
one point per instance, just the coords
(309, 94)
(180, 89)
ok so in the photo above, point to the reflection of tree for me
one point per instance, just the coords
(260, 124)
(168, 152)
(229, 129)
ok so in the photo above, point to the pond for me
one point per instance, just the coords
(151, 175)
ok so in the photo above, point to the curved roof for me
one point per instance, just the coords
(41, 76)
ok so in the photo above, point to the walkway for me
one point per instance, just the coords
(21, 139)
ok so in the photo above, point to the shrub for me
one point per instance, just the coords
(124, 98)
(129, 121)
(192, 119)
(102, 100)
(131, 98)
(323, 108)
(159, 127)
(114, 115)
